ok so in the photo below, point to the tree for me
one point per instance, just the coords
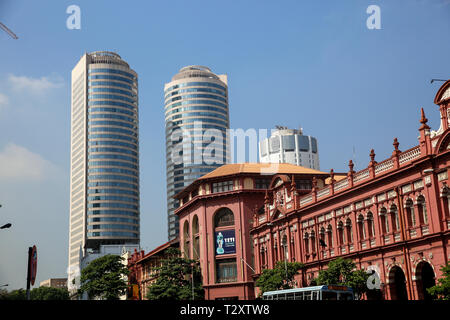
(342, 272)
(104, 278)
(280, 277)
(49, 293)
(174, 279)
(41, 293)
(19, 294)
(441, 291)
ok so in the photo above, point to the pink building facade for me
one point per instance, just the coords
(392, 217)
(216, 217)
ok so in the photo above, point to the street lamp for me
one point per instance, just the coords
(5, 285)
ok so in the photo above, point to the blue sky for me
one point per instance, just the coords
(312, 64)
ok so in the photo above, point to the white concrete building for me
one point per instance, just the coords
(290, 146)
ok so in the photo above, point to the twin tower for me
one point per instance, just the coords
(104, 177)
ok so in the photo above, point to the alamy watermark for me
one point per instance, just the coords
(373, 282)
(208, 146)
(74, 20)
(374, 20)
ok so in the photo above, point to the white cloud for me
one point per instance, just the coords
(4, 100)
(18, 163)
(36, 85)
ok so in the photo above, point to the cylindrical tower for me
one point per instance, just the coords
(104, 155)
(290, 146)
(113, 150)
(196, 109)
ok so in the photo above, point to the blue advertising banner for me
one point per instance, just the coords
(225, 242)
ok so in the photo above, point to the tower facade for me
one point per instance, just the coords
(290, 146)
(196, 121)
(104, 175)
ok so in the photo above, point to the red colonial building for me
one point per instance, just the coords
(141, 264)
(392, 217)
(216, 215)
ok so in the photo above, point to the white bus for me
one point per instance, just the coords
(330, 292)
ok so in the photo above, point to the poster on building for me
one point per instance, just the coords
(225, 242)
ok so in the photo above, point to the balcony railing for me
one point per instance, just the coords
(384, 166)
(409, 155)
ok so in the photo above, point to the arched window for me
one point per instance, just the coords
(313, 241)
(187, 253)
(384, 220)
(195, 238)
(284, 243)
(322, 240)
(410, 215)
(445, 194)
(361, 231)
(223, 218)
(330, 236)
(423, 215)
(370, 224)
(262, 256)
(275, 248)
(341, 234)
(293, 246)
(348, 226)
(306, 242)
(394, 218)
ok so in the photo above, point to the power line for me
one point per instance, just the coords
(8, 31)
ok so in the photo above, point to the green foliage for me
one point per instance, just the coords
(441, 291)
(341, 272)
(280, 277)
(104, 278)
(19, 294)
(41, 293)
(49, 293)
(174, 279)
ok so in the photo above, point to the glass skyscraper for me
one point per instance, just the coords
(104, 178)
(196, 109)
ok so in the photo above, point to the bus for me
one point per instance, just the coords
(329, 292)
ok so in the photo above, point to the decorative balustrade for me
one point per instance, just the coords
(425, 230)
(340, 185)
(323, 192)
(409, 155)
(305, 200)
(361, 175)
(397, 237)
(384, 166)
(364, 174)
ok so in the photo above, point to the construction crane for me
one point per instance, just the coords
(12, 34)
